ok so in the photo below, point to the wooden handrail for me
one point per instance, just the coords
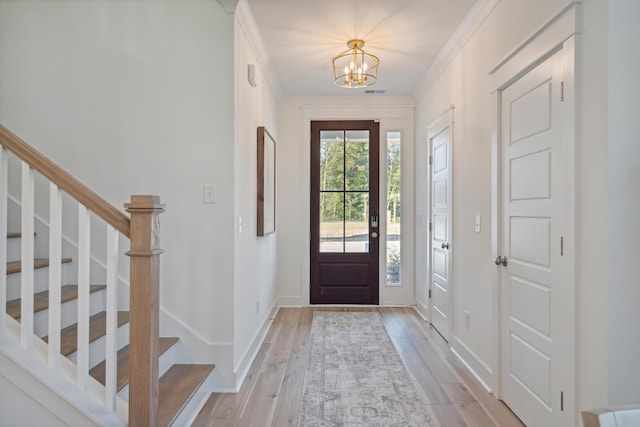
(65, 181)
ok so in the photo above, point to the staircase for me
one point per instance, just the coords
(74, 332)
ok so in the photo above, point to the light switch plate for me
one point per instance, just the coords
(209, 193)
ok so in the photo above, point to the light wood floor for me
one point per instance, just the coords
(272, 392)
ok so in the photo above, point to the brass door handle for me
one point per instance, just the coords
(445, 246)
(501, 260)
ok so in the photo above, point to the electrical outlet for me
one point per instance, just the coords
(467, 320)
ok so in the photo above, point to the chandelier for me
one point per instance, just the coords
(354, 67)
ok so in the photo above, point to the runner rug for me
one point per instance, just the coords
(355, 376)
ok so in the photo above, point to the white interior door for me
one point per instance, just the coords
(536, 283)
(441, 216)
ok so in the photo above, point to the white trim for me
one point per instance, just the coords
(470, 24)
(422, 311)
(473, 372)
(247, 23)
(558, 34)
(386, 114)
(538, 46)
(242, 367)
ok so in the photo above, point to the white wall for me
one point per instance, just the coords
(136, 98)
(465, 82)
(624, 202)
(255, 257)
(295, 114)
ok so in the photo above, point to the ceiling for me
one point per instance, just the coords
(302, 37)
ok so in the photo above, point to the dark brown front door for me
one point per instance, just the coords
(344, 212)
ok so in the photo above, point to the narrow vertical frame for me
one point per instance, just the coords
(266, 183)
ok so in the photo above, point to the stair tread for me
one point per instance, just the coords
(41, 299)
(98, 371)
(177, 386)
(97, 329)
(16, 266)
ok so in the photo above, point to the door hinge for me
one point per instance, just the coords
(430, 226)
(561, 91)
(309, 236)
(430, 160)
(562, 400)
(429, 293)
(561, 246)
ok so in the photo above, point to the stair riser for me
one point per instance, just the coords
(13, 249)
(40, 283)
(69, 313)
(164, 363)
(97, 348)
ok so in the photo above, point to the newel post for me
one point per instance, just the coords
(144, 308)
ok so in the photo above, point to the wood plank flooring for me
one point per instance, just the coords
(272, 392)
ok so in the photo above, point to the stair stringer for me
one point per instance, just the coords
(53, 390)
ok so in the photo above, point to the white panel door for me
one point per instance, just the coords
(441, 231)
(535, 329)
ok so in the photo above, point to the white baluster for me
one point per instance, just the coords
(112, 319)
(27, 275)
(55, 273)
(4, 176)
(84, 258)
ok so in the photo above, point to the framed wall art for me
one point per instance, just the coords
(266, 182)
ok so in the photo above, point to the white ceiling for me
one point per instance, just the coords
(302, 37)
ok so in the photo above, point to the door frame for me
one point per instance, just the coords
(444, 120)
(392, 117)
(557, 35)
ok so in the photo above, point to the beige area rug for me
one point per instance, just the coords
(355, 376)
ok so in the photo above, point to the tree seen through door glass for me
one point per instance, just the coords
(344, 195)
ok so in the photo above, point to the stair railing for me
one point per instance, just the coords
(143, 231)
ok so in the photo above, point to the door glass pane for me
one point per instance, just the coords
(331, 222)
(357, 222)
(357, 160)
(331, 160)
(393, 208)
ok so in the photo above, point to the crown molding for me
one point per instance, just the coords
(470, 24)
(246, 21)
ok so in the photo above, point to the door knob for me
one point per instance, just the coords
(445, 246)
(374, 234)
(501, 260)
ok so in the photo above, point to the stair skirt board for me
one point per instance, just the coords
(35, 364)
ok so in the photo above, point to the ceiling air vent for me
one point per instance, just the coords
(374, 92)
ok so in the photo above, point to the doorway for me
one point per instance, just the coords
(440, 159)
(344, 220)
(535, 262)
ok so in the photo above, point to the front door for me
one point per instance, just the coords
(344, 212)
(536, 284)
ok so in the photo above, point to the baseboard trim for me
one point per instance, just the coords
(291, 301)
(477, 368)
(422, 310)
(242, 368)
